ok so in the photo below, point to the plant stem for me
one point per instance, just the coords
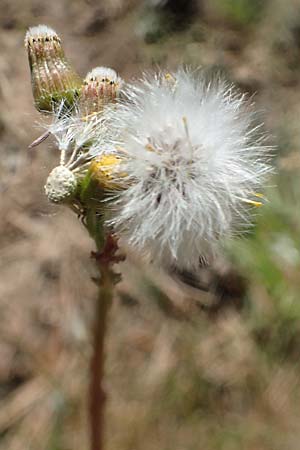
(97, 396)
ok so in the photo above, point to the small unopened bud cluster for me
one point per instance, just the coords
(77, 106)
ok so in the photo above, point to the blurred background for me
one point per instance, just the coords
(185, 369)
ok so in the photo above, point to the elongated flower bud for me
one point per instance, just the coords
(53, 78)
(101, 86)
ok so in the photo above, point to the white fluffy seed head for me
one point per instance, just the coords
(61, 185)
(195, 163)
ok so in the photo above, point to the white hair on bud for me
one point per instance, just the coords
(101, 72)
(40, 31)
(195, 161)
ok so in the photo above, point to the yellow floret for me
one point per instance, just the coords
(104, 169)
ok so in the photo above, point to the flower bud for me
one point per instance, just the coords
(61, 185)
(100, 87)
(53, 79)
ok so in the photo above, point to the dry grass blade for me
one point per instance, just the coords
(22, 401)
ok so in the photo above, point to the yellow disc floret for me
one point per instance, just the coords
(105, 170)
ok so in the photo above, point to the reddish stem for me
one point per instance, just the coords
(97, 396)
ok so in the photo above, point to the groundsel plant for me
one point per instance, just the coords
(172, 163)
(191, 157)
